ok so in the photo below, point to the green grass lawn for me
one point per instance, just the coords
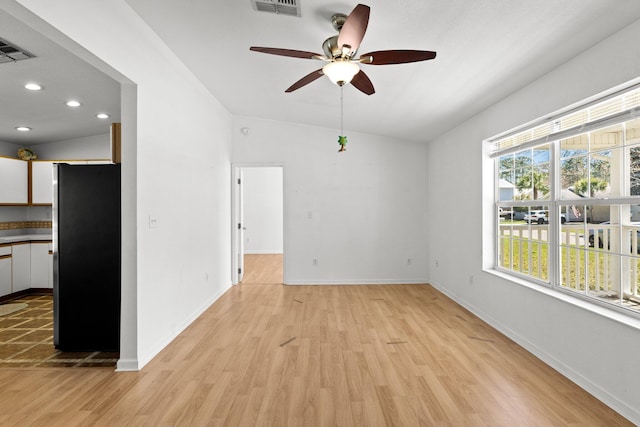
(579, 265)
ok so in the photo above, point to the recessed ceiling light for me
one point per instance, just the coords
(103, 116)
(33, 86)
(23, 128)
(73, 103)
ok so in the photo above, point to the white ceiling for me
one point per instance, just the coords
(486, 50)
(64, 77)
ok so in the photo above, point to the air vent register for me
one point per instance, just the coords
(282, 7)
(12, 53)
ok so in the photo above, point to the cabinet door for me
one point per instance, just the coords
(41, 183)
(5, 275)
(40, 265)
(21, 266)
(14, 176)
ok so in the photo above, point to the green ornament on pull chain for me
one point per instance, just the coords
(342, 139)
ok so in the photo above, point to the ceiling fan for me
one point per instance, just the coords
(340, 53)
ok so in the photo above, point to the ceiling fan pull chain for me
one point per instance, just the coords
(342, 139)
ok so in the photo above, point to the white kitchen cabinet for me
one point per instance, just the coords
(5, 270)
(14, 176)
(21, 266)
(42, 182)
(41, 265)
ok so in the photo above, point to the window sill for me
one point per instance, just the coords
(628, 319)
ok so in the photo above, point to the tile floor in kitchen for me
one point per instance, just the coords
(26, 339)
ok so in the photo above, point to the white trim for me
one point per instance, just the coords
(127, 365)
(264, 252)
(359, 282)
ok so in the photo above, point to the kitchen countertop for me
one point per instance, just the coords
(25, 238)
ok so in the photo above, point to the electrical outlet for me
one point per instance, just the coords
(409, 261)
(471, 279)
(153, 221)
(315, 261)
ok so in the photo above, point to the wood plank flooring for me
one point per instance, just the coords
(262, 269)
(274, 355)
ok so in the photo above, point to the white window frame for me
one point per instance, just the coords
(528, 136)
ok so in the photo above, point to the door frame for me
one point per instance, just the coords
(236, 168)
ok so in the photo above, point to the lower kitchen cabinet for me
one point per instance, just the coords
(21, 266)
(41, 265)
(25, 265)
(5, 270)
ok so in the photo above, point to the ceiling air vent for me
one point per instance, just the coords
(12, 53)
(282, 7)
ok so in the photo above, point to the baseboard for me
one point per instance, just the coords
(630, 413)
(25, 292)
(264, 252)
(127, 365)
(149, 355)
(358, 282)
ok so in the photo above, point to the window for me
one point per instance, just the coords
(567, 204)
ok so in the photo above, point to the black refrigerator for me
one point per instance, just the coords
(86, 257)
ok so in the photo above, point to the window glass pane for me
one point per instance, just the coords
(506, 186)
(524, 246)
(505, 166)
(599, 185)
(634, 170)
(606, 138)
(632, 131)
(541, 154)
(573, 213)
(574, 146)
(573, 176)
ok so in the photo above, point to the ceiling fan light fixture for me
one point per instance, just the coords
(341, 72)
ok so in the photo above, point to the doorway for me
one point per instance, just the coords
(258, 253)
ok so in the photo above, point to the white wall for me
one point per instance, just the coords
(263, 210)
(597, 351)
(176, 168)
(360, 214)
(9, 150)
(90, 147)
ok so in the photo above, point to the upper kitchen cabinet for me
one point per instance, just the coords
(41, 183)
(14, 179)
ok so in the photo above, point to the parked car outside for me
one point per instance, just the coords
(602, 231)
(541, 217)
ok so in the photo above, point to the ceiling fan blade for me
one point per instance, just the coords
(354, 27)
(287, 52)
(306, 80)
(362, 83)
(385, 57)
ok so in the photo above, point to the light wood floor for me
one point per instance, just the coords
(262, 269)
(277, 355)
